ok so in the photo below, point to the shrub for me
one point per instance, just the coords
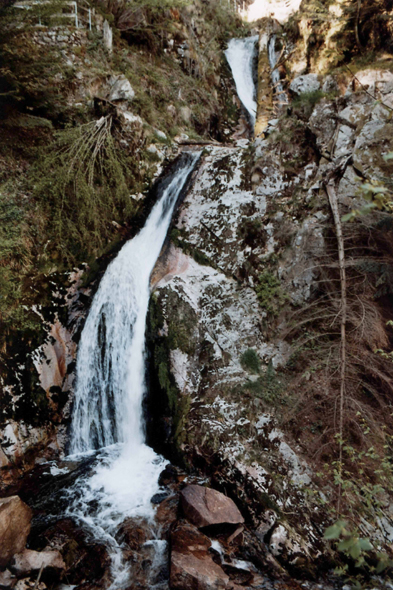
(250, 361)
(269, 293)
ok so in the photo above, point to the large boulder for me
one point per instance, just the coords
(33, 561)
(121, 88)
(192, 566)
(205, 507)
(15, 519)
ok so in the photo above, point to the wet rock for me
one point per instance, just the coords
(192, 567)
(33, 561)
(305, 83)
(15, 522)
(84, 558)
(133, 532)
(121, 88)
(7, 580)
(167, 512)
(160, 497)
(167, 476)
(206, 507)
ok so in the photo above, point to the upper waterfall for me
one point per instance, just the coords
(276, 80)
(240, 55)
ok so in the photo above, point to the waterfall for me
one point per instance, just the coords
(276, 81)
(110, 385)
(240, 56)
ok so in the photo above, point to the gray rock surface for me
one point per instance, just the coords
(120, 89)
(305, 83)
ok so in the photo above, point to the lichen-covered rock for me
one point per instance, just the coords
(15, 519)
(305, 83)
(373, 143)
(205, 507)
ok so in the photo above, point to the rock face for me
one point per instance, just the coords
(15, 519)
(32, 561)
(192, 567)
(205, 507)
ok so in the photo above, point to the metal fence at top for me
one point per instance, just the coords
(78, 12)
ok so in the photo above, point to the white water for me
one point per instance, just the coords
(240, 55)
(111, 384)
(276, 81)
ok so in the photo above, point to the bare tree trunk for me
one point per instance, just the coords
(359, 4)
(343, 280)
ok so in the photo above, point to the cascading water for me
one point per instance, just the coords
(110, 387)
(240, 56)
(276, 81)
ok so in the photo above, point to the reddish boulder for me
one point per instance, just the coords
(15, 519)
(192, 566)
(205, 507)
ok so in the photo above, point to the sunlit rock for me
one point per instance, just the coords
(15, 518)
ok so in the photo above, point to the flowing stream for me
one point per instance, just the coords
(107, 418)
(240, 56)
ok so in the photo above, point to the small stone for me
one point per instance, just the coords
(186, 114)
(160, 134)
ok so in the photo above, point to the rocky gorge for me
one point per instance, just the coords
(268, 375)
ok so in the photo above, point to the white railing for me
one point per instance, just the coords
(82, 16)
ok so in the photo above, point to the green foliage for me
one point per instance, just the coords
(305, 102)
(268, 387)
(269, 292)
(29, 76)
(81, 182)
(376, 197)
(250, 361)
(356, 549)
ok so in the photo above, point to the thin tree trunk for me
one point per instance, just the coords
(343, 280)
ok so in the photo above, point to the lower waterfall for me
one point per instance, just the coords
(107, 419)
(241, 55)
